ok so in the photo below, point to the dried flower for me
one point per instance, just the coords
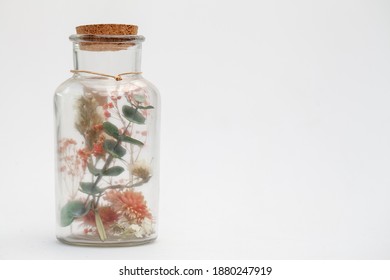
(137, 230)
(130, 203)
(98, 150)
(145, 229)
(147, 226)
(84, 154)
(87, 230)
(107, 214)
(69, 158)
(141, 169)
(108, 106)
(89, 115)
(115, 97)
(107, 114)
(98, 127)
(65, 144)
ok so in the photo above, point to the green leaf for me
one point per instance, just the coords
(93, 169)
(113, 148)
(72, 210)
(113, 171)
(89, 188)
(100, 226)
(128, 139)
(146, 107)
(139, 98)
(111, 129)
(132, 115)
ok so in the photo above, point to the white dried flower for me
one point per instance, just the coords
(137, 230)
(141, 169)
(147, 226)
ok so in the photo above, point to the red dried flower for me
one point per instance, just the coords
(108, 106)
(106, 213)
(107, 114)
(97, 149)
(98, 127)
(84, 155)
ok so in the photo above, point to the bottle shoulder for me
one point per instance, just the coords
(69, 85)
(80, 85)
(144, 83)
(148, 84)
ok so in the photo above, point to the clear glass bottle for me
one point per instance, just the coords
(107, 135)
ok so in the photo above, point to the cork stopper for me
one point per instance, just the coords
(94, 34)
(107, 29)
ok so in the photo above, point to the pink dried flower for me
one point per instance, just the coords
(130, 203)
(107, 114)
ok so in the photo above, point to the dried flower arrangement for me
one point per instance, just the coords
(113, 135)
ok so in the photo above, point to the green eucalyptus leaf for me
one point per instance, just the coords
(93, 169)
(139, 98)
(146, 107)
(111, 129)
(73, 209)
(128, 139)
(113, 171)
(132, 115)
(89, 188)
(113, 148)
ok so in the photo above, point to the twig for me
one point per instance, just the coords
(127, 186)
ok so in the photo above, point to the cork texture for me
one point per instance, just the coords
(107, 29)
(106, 44)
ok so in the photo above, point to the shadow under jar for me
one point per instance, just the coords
(107, 135)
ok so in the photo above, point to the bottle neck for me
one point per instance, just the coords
(111, 62)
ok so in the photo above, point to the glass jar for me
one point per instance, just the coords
(107, 135)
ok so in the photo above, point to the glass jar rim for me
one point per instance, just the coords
(92, 38)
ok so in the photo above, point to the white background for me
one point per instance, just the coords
(275, 126)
